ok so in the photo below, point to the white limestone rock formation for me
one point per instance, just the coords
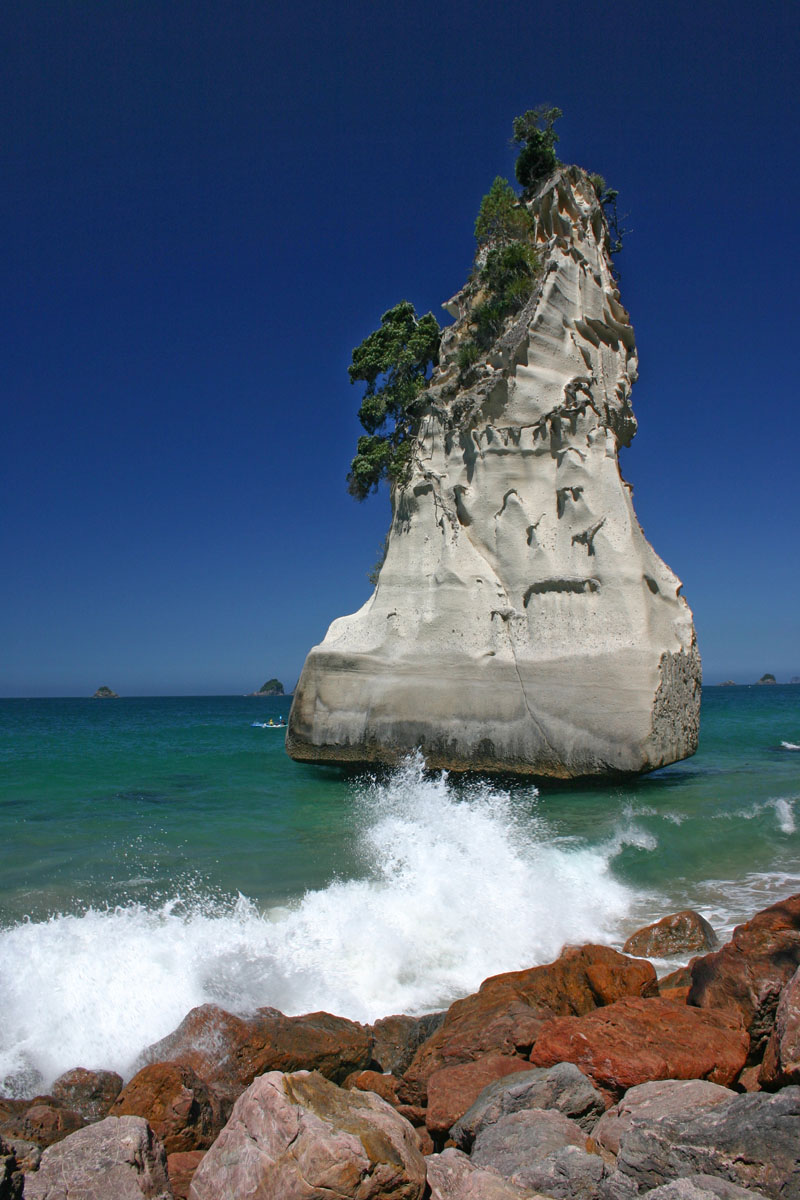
(521, 621)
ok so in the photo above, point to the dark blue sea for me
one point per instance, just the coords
(156, 854)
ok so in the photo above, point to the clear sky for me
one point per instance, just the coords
(208, 203)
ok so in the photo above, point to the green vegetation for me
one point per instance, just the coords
(273, 687)
(394, 362)
(534, 132)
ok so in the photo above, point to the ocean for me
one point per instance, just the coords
(157, 854)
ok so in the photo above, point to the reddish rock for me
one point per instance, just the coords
(748, 974)
(424, 1141)
(90, 1093)
(506, 1015)
(181, 1168)
(452, 1090)
(396, 1039)
(43, 1123)
(676, 995)
(228, 1052)
(681, 933)
(384, 1086)
(637, 1040)
(176, 1104)
(681, 978)
(781, 1065)
(748, 1080)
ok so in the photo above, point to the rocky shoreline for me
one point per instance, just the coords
(583, 1079)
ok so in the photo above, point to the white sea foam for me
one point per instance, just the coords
(784, 811)
(790, 746)
(457, 886)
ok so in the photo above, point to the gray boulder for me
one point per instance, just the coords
(656, 1101)
(562, 1087)
(300, 1136)
(751, 1140)
(10, 1176)
(453, 1176)
(543, 1150)
(568, 1174)
(119, 1158)
(701, 1187)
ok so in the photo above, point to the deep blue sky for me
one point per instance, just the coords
(208, 204)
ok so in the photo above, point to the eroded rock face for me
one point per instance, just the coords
(521, 621)
(299, 1135)
(119, 1157)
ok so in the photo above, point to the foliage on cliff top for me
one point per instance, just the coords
(533, 131)
(394, 362)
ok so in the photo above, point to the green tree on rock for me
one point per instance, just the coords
(534, 132)
(394, 362)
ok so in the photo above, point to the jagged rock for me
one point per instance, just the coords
(657, 1101)
(10, 1176)
(508, 1012)
(396, 1039)
(750, 971)
(90, 1093)
(176, 1104)
(751, 1140)
(781, 1064)
(562, 1087)
(299, 1135)
(453, 1176)
(636, 1040)
(227, 1052)
(42, 1122)
(683, 932)
(521, 620)
(542, 1150)
(118, 1157)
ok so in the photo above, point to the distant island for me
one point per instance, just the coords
(768, 678)
(105, 693)
(273, 687)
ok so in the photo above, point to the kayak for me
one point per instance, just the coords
(266, 725)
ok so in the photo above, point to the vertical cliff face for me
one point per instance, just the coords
(521, 621)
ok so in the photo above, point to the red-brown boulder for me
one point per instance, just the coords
(42, 1121)
(637, 1040)
(181, 1167)
(384, 1086)
(228, 1052)
(452, 1090)
(748, 974)
(175, 1103)
(681, 933)
(90, 1093)
(781, 1065)
(506, 1015)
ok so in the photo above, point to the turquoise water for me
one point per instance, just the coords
(160, 853)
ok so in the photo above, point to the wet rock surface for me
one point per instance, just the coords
(176, 1104)
(685, 932)
(781, 1065)
(90, 1093)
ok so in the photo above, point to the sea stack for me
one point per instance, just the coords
(521, 621)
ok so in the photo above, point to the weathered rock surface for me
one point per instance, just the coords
(453, 1176)
(176, 1104)
(636, 1040)
(508, 1012)
(562, 1087)
(781, 1065)
(396, 1039)
(90, 1093)
(43, 1122)
(750, 971)
(681, 933)
(227, 1052)
(750, 1140)
(521, 621)
(118, 1157)
(181, 1167)
(542, 1150)
(300, 1137)
(453, 1090)
(658, 1101)
(10, 1177)
(701, 1187)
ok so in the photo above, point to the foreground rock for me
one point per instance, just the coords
(90, 1093)
(521, 621)
(702, 1187)
(509, 1011)
(561, 1087)
(118, 1157)
(453, 1176)
(781, 1065)
(748, 974)
(681, 933)
(299, 1135)
(750, 1140)
(42, 1122)
(541, 1150)
(396, 1039)
(227, 1052)
(636, 1040)
(453, 1090)
(649, 1103)
(10, 1176)
(176, 1104)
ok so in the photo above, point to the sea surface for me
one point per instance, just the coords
(157, 854)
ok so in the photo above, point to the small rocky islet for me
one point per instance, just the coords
(586, 1078)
